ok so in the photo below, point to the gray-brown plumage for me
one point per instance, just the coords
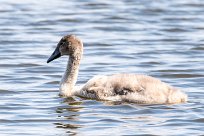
(118, 87)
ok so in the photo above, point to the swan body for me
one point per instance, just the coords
(119, 87)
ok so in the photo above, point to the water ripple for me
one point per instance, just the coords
(159, 38)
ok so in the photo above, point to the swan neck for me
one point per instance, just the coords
(69, 78)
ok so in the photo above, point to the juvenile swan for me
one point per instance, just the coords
(119, 87)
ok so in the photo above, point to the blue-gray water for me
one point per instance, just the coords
(161, 38)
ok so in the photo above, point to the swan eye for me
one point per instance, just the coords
(63, 43)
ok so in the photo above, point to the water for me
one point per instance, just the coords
(160, 38)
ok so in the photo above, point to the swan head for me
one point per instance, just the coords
(69, 45)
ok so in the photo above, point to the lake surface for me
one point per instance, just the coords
(164, 39)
